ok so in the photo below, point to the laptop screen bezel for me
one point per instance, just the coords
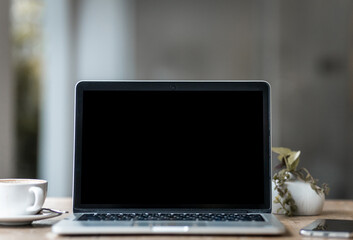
(171, 85)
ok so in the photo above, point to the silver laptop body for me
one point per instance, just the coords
(172, 157)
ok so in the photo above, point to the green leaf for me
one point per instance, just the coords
(293, 165)
(281, 150)
(287, 164)
(325, 189)
(293, 161)
(293, 156)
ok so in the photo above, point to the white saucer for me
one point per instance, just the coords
(26, 219)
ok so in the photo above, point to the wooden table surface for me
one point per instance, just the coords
(334, 209)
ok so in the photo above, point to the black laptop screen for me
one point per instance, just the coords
(171, 149)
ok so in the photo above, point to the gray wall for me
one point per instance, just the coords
(207, 39)
(317, 88)
(301, 47)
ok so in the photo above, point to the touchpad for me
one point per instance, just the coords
(174, 226)
(170, 229)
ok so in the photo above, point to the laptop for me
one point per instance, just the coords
(172, 157)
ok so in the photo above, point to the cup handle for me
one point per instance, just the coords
(38, 200)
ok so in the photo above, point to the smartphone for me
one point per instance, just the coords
(329, 228)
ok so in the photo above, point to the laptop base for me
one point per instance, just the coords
(70, 226)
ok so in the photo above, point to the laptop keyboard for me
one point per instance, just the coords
(171, 217)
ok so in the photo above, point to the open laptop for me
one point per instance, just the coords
(172, 157)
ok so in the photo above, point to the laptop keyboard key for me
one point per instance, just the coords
(171, 217)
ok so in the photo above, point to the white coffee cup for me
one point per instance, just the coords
(22, 196)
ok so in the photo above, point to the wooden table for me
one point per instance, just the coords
(334, 209)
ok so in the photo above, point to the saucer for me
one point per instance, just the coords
(26, 219)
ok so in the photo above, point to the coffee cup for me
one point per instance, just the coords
(22, 196)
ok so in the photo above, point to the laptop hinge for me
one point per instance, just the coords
(76, 210)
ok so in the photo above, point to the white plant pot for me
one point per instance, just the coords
(307, 200)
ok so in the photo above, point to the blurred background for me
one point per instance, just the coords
(303, 48)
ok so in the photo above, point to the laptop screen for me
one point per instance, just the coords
(185, 145)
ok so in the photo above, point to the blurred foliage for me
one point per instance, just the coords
(287, 171)
(27, 62)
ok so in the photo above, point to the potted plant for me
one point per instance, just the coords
(295, 192)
